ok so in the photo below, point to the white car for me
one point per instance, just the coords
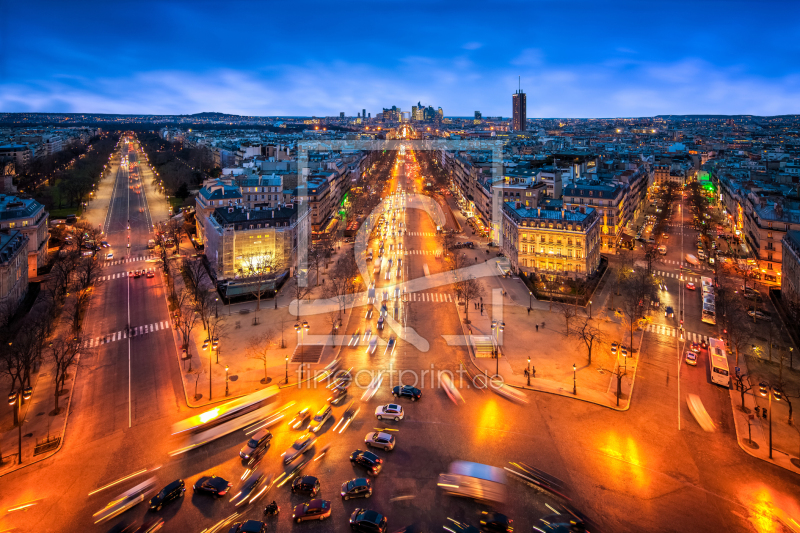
(391, 410)
(373, 345)
(109, 256)
(379, 439)
(691, 358)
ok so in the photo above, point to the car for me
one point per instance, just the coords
(320, 418)
(308, 485)
(173, 491)
(759, 314)
(109, 256)
(665, 236)
(313, 510)
(151, 274)
(691, 358)
(259, 439)
(751, 294)
(104, 244)
(623, 352)
(338, 395)
(251, 526)
(391, 410)
(256, 457)
(379, 439)
(407, 391)
(137, 274)
(669, 312)
(690, 286)
(359, 487)
(461, 527)
(367, 521)
(301, 418)
(299, 447)
(248, 487)
(695, 347)
(381, 321)
(496, 522)
(368, 460)
(614, 347)
(214, 485)
(662, 286)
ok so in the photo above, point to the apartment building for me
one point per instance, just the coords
(767, 219)
(790, 269)
(21, 154)
(560, 243)
(214, 194)
(13, 269)
(29, 217)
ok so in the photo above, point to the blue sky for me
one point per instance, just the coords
(576, 58)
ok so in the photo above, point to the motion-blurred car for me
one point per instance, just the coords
(251, 526)
(407, 391)
(214, 485)
(496, 522)
(298, 448)
(669, 312)
(691, 358)
(301, 418)
(151, 274)
(320, 418)
(313, 510)
(338, 395)
(391, 410)
(367, 521)
(379, 439)
(173, 491)
(368, 460)
(109, 256)
(690, 286)
(359, 487)
(308, 485)
(249, 486)
(259, 439)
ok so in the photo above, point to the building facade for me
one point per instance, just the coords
(13, 270)
(29, 217)
(519, 111)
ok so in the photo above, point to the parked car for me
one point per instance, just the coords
(214, 485)
(173, 491)
(761, 315)
(359, 487)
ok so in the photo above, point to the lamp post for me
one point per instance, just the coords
(216, 307)
(226, 380)
(574, 380)
(15, 399)
(529, 371)
(530, 300)
(287, 369)
(764, 390)
(590, 309)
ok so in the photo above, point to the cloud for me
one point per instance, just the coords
(459, 86)
(472, 46)
(530, 57)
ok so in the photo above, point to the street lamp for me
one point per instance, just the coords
(15, 399)
(529, 371)
(574, 379)
(590, 309)
(226, 380)
(530, 301)
(763, 389)
(287, 369)
(216, 308)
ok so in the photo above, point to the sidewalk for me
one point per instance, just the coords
(555, 353)
(245, 374)
(758, 447)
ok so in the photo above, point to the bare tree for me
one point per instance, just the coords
(300, 291)
(217, 330)
(638, 291)
(62, 273)
(204, 306)
(88, 272)
(743, 385)
(259, 268)
(343, 283)
(196, 372)
(468, 289)
(568, 312)
(739, 329)
(316, 259)
(63, 354)
(196, 275)
(259, 347)
(186, 318)
(590, 335)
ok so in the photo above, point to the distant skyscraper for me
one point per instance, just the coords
(519, 107)
(341, 114)
(363, 113)
(477, 115)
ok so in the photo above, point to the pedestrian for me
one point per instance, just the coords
(526, 373)
(529, 311)
(537, 327)
(533, 371)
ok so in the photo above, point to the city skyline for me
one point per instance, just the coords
(442, 56)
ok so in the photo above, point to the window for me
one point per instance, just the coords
(769, 235)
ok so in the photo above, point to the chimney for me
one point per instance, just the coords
(518, 204)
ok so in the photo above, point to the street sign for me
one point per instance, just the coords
(737, 370)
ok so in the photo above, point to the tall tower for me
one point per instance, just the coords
(519, 107)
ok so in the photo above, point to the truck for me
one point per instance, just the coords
(474, 480)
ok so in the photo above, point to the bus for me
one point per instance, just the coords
(474, 480)
(225, 412)
(707, 284)
(719, 363)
